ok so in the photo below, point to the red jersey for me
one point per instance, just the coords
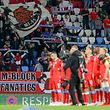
(96, 66)
(89, 67)
(55, 20)
(102, 70)
(68, 73)
(18, 58)
(51, 70)
(57, 69)
(43, 22)
(93, 15)
(106, 23)
(103, 67)
(56, 74)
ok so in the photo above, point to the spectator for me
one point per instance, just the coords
(93, 17)
(1, 40)
(98, 24)
(1, 62)
(70, 5)
(38, 32)
(7, 61)
(44, 53)
(85, 14)
(21, 47)
(106, 26)
(13, 66)
(18, 58)
(7, 29)
(61, 6)
(66, 18)
(8, 41)
(55, 21)
(94, 2)
(15, 43)
(54, 5)
(35, 52)
(87, 3)
(38, 66)
(1, 24)
(108, 8)
(101, 12)
(53, 48)
(47, 33)
(65, 5)
(30, 55)
(43, 22)
(60, 33)
(5, 47)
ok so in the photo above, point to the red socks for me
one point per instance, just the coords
(98, 95)
(53, 96)
(86, 97)
(58, 96)
(93, 96)
(66, 98)
(109, 97)
(101, 95)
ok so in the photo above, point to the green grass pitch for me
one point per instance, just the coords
(46, 107)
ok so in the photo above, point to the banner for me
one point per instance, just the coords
(25, 99)
(25, 18)
(24, 82)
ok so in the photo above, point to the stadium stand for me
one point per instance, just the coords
(64, 13)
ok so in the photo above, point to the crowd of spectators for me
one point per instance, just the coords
(66, 16)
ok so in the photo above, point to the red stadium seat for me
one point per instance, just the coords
(13, 2)
(21, 1)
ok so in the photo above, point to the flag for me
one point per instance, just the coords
(25, 18)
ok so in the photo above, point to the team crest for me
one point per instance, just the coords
(23, 15)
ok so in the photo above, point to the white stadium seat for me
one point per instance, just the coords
(76, 11)
(59, 17)
(92, 40)
(90, 10)
(84, 40)
(101, 3)
(106, 41)
(80, 18)
(73, 18)
(77, 24)
(88, 32)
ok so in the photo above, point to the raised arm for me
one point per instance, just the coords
(6, 53)
(23, 55)
(12, 55)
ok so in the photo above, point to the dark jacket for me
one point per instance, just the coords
(73, 63)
